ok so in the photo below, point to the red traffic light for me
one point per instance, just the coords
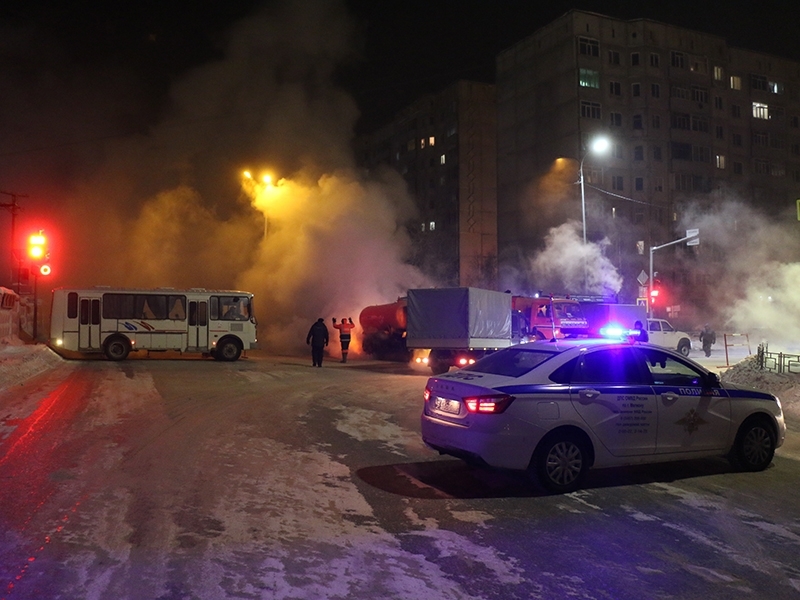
(37, 246)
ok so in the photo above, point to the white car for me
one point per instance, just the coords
(557, 408)
(663, 334)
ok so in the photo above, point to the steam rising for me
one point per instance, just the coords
(168, 206)
(568, 264)
(758, 290)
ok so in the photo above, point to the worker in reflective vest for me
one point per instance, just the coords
(345, 327)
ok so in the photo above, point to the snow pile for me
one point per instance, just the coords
(20, 361)
(784, 385)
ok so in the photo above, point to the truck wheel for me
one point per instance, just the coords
(117, 347)
(439, 368)
(684, 346)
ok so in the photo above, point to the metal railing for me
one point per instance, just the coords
(733, 339)
(777, 362)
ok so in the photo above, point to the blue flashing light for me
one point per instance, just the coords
(615, 331)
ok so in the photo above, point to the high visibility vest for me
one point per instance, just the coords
(345, 327)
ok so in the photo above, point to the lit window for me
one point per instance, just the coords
(441, 159)
(422, 143)
(760, 110)
(736, 82)
(720, 161)
(718, 74)
(422, 227)
(432, 226)
(431, 141)
(775, 87)
(589, 78)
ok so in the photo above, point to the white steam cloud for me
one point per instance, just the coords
(169, 206)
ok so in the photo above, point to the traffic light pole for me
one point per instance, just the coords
(35, 307)
(694, 234)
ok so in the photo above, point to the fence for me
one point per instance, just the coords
(777, 362)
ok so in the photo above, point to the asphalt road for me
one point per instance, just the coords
(267, 478)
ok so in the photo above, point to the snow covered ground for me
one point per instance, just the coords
(20, 361)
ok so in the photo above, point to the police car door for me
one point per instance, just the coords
(610, 391)
(691, 417)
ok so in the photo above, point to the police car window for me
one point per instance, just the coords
(609, 366)
(511, 362)
(667, 370)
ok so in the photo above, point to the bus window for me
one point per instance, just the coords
(233, 308)
(72, 305)
(177, 312)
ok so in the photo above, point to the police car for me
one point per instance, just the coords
(561, 407)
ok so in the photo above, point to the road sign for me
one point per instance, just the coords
(642, 278)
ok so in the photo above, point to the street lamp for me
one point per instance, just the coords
(598, 145)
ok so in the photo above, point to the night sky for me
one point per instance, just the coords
(402, 48)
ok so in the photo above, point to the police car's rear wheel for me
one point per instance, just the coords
(561, 462)
(754, 446)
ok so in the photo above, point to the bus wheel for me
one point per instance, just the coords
(117, 347)
(228, 350)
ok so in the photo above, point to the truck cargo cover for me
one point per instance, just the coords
(458, 318)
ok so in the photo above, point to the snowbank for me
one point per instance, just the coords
(785, 386)
(20, 361)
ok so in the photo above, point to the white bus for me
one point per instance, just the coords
(119, 321)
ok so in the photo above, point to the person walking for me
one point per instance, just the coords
(345, 327)
(317, 338)
(708, 338)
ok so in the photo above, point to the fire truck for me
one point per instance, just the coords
(551, 316)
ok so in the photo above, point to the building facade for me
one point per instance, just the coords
(691, 120)
(444, 146)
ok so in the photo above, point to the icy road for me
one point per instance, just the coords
(267, 478)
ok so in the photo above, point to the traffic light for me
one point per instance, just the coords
(655, 292)
(37, 246)
(38, 253)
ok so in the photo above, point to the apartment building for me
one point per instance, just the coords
(692, 121)
(444, 146)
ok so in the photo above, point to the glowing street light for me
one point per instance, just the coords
(598, 145)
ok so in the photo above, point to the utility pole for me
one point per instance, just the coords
(14, 207)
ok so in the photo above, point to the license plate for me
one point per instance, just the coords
(446, 405)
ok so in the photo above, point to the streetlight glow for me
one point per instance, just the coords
(598, 146)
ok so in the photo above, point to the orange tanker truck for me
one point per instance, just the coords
(384, 330)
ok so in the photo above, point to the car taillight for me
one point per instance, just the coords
(488, 404)
(426, 395)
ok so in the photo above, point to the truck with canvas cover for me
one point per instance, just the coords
(458, 325)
